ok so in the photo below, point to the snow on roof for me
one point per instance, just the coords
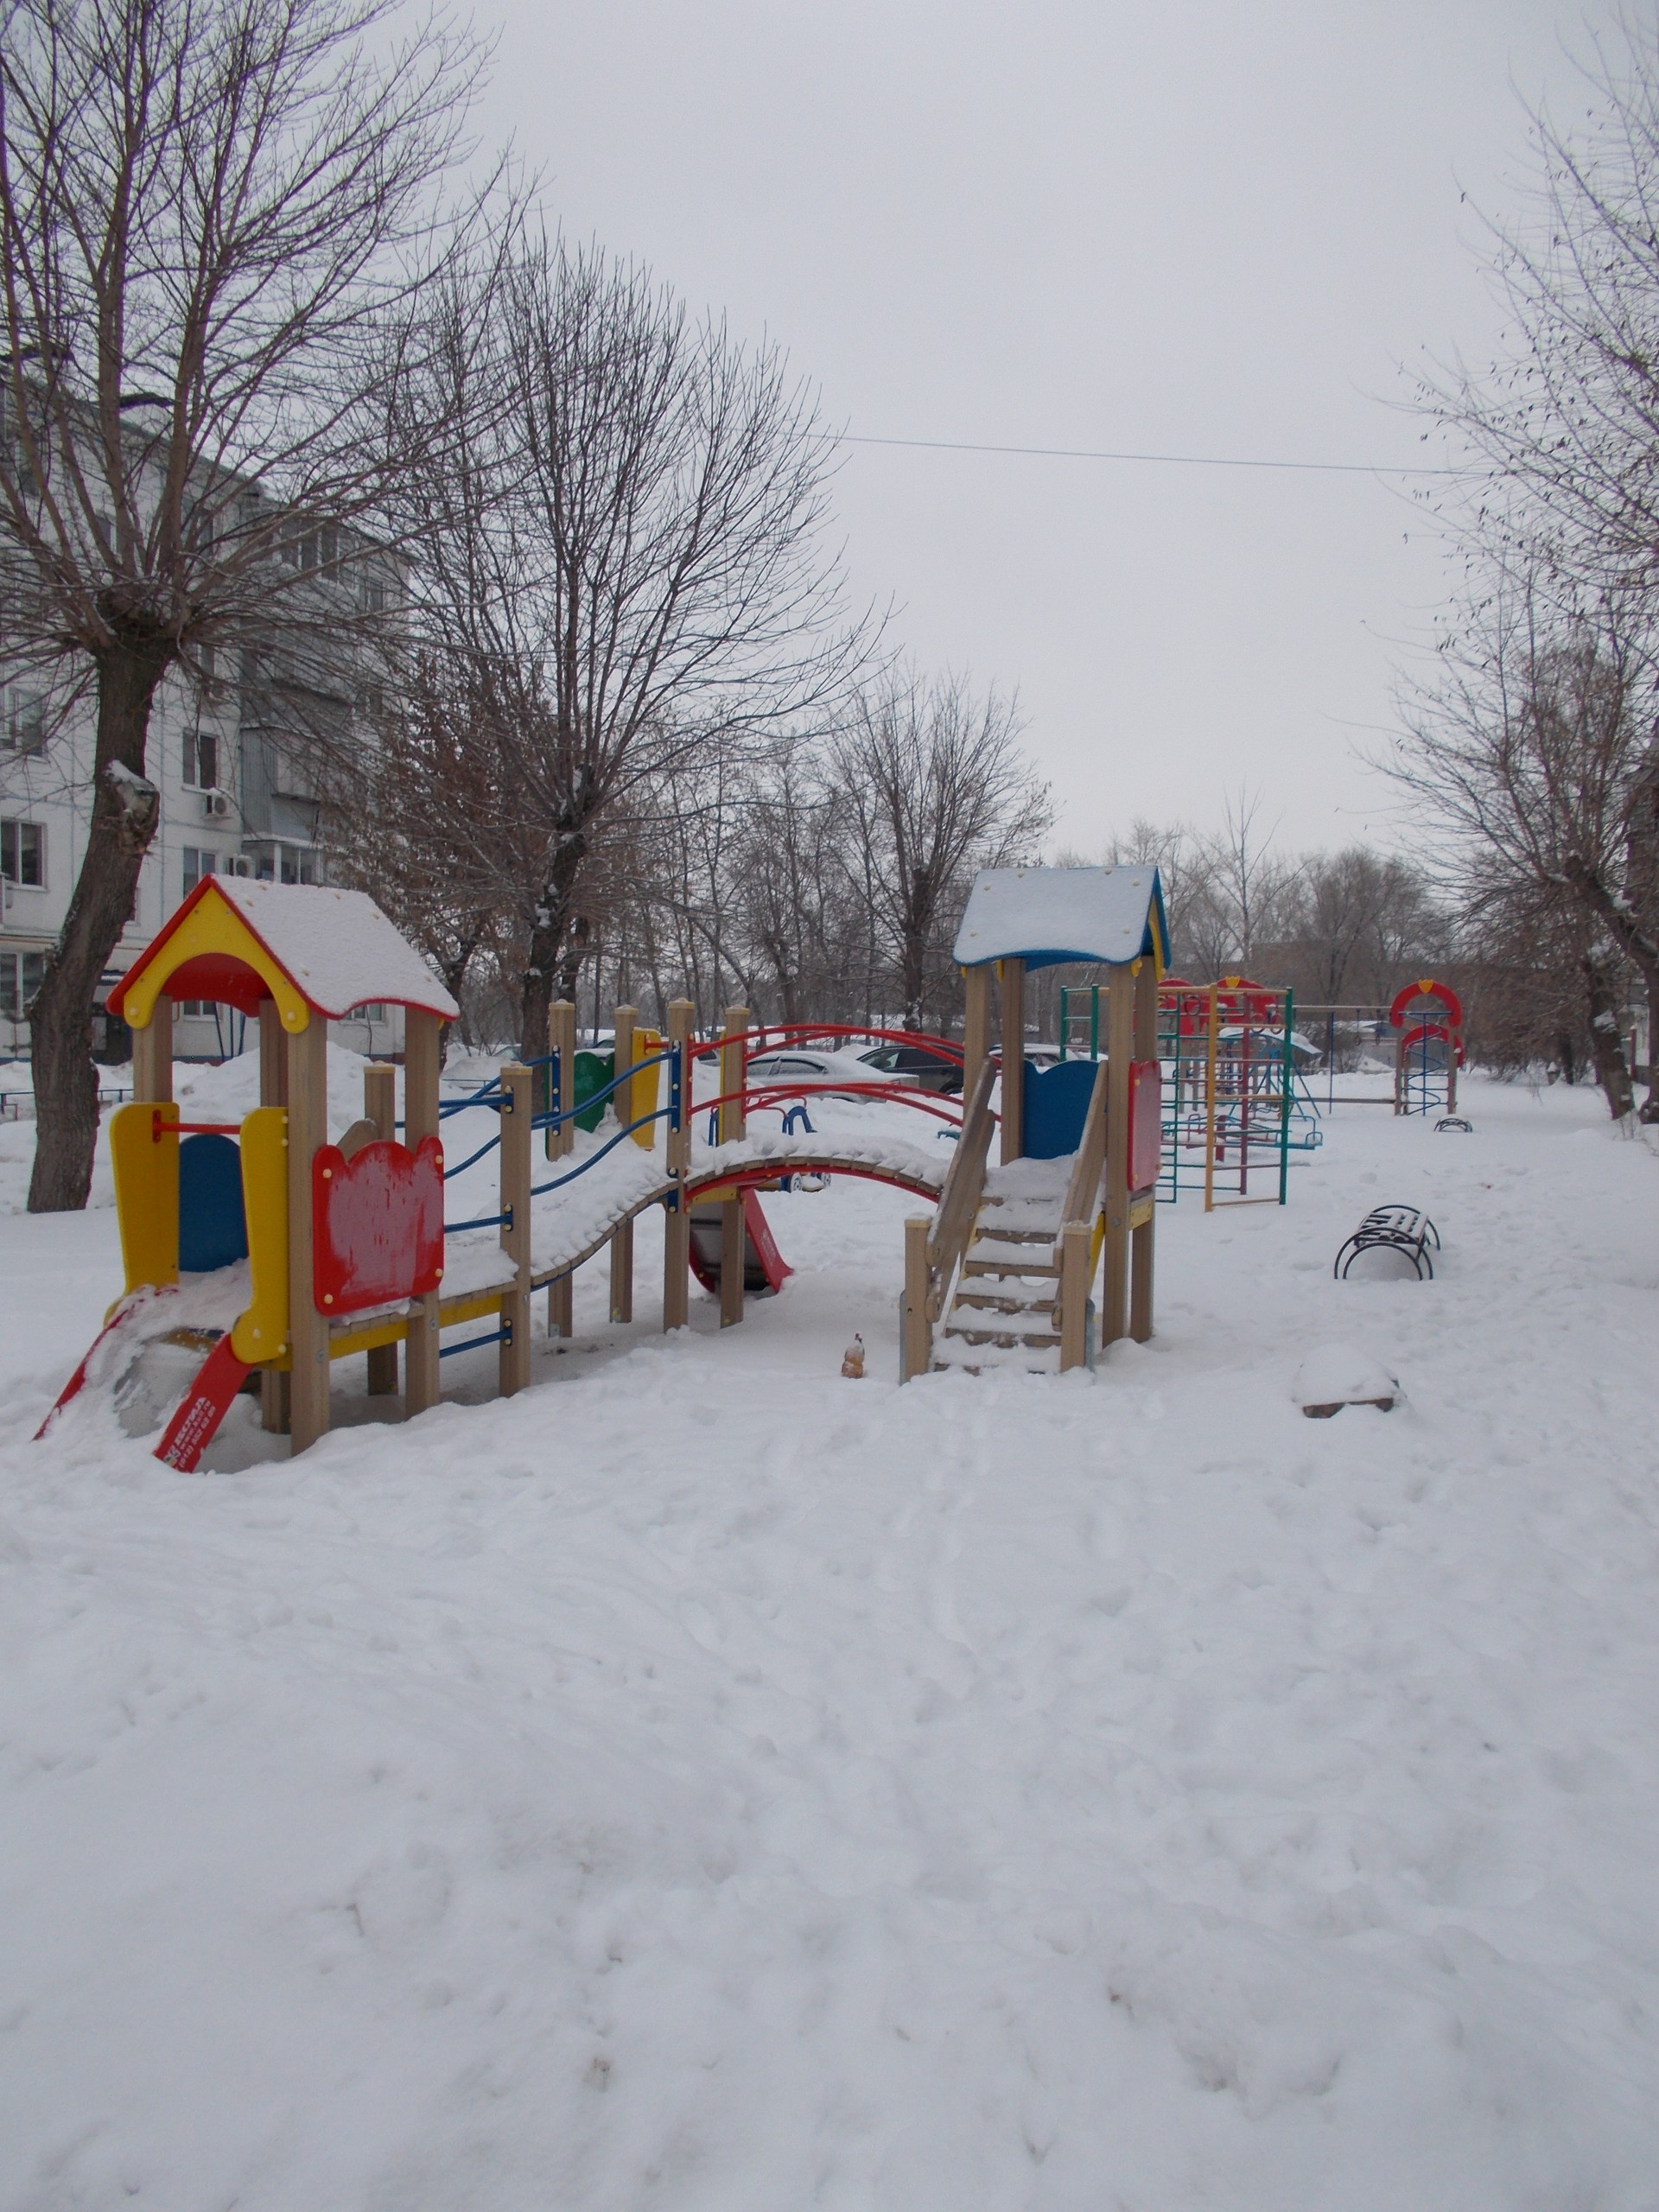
(337, 945)
(1046, 915)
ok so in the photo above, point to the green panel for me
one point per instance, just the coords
(594, 1071)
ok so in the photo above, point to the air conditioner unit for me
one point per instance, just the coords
(216, 804)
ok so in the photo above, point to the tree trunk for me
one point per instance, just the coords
(1638, 946)
(125, 809)
(548, 955)
(1606, 1041)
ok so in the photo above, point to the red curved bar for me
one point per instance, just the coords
(1427, 988)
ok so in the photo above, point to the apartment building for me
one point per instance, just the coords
(237, 799)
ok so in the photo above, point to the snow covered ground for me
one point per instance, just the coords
(704, 1782)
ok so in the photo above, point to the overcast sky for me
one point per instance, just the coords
(1212, 228)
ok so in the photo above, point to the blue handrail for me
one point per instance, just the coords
(489, 1145)
(553, 1118)
(472, 1344)
(593, 1158)
(484, 1221)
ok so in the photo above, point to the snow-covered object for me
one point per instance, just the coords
(883, 1154)
(337, 946)
(1044, 915)
(1334, 1376)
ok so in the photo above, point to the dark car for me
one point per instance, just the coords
(927, 1069)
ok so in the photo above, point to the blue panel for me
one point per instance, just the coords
(1057, 1105)
(212, 1226)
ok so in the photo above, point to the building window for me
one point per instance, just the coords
(198, 863)
(202, 760)
(24, 726)
(372, 593)
(193, 1010)
(23, 854)
(377, 1012)
(21, 974)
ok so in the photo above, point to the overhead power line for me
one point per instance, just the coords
(1163, 460)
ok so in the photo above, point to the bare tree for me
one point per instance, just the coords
(1559, 432)
(209, 215)
(938, 786)
(628, 567)
(412, 815)
(1532, 761)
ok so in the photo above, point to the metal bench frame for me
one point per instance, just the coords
(1405, 1230)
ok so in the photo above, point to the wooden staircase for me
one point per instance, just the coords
(1003, 1309)
(1000, 1279)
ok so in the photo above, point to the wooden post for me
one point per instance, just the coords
(274, 1392)
(733, 1123)
(1012, 973)
(1120, 1050)
(152, 1056)
(1141, 1239)
(308, 1328)
(622, 1108)
(677, 1223)
(562, 1039)
(422, 1035)
(380, 1106)
(516, 1112)
(975, 1026)
(916, 1330)
(1075, 1240)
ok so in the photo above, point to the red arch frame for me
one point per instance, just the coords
(1427, 988)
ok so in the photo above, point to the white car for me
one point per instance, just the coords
(812, 1070)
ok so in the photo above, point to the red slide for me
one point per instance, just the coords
(123, 1314)
(204, 1405)
(764, 1266)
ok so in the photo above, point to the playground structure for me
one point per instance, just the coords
(271, 1252)
(1004, 1271)
(1235, 1103)
(1427, 1020)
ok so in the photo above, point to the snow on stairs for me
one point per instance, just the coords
(1003, 1312)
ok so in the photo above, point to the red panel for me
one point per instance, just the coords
(1146, 1123)
(377, 1224)
(218, 975)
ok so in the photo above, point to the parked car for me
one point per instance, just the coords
(816, 1070)
(932, 1071)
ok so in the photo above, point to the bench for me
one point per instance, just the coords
(1405, 1230)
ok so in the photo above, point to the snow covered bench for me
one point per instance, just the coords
(1406, 1229)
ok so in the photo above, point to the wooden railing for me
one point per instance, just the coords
(933, 1251)
(1074, 1247)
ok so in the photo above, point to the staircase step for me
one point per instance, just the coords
(999, 1302)
(990, 1229)
(1035, 1268)
(1006, 1339)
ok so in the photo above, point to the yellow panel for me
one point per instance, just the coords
(214, 926)
(1141, 1211)
(261, 1334)
(146, 1190)
(643, 1090)
(370, 1337)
